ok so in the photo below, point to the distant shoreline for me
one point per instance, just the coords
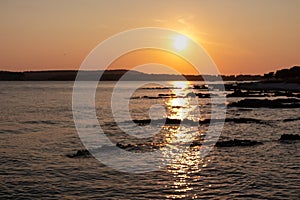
(115, 75)
(291, 75)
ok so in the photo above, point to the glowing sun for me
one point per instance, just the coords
(180, 42)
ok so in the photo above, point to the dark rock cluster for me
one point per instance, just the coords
(289, 137)
(237, 143)
(266, 103)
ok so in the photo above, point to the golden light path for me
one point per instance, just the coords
(183, 160)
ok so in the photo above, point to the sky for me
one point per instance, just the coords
(241, 36)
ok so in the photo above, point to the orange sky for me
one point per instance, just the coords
(241, 36)
(151, 56)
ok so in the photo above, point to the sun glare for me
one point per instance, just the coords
(180, 42)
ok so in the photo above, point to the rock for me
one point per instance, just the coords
(237, 143)
(142, 122)
(172, 121)
(80, 153)
(292, 119)
(270, 86)
(196, 143)
(201, 87)
(168, 121)
(199, 95)
(144, 147)
(239, 93)
(234, 120)
(286, 94)
(289, 137)
(244, 120)
(167, 95)
(266, 103)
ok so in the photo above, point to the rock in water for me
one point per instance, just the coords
(266, 103)
(80, 153)
(237, 143)
(289, 137)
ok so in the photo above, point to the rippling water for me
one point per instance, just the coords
(37, 131)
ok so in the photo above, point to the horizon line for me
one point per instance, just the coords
(74, 70)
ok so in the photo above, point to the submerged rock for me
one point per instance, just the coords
(196, 143)
(166, 121)
(140, 147)
(289, 137)
(237, 143)
(234, 120)
(80, 153)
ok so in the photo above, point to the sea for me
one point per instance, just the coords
(40, 135)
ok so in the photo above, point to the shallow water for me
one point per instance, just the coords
(37, 131)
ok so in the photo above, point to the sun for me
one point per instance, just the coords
(180, 42)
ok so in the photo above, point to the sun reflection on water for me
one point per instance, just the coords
(182, 160)
(181, 106)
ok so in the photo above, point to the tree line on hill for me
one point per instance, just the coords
(291, 75)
